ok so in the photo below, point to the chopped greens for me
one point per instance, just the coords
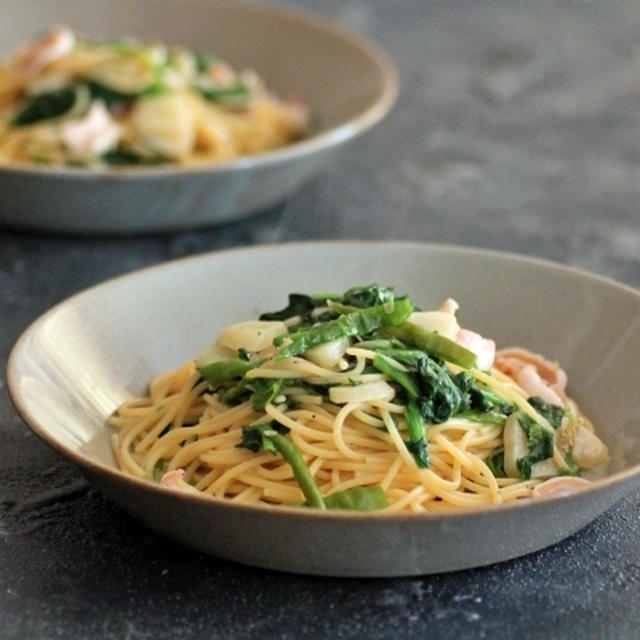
(237, 92)
(271, 439)
(45, 106)
(540, 444)
(428, 377)
(495, 462)
(433, 343)
(358, 499)
(299, 305)
(358, 323)
(553, 413)
(220, 371)
(417, 444)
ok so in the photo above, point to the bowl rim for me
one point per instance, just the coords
(617, 479)
(323, 140)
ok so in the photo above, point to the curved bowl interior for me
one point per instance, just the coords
(79, 361)
(296, 54)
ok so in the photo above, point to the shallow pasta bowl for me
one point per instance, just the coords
(348, 83)
(83, 358)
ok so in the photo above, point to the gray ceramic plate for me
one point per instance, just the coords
(349, 84)
(79, 361)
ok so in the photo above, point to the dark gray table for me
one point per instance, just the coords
(518, 127)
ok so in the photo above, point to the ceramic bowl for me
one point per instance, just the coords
(84, 357)
(348, 82)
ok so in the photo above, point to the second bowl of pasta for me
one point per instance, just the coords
(160, 115)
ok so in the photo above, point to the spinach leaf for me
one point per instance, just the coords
(359, 323)
(159, 469)
(254, 439)
(358, 499)
(434, 343)
(269, 438)
(203, 60)
(428, 384)
(222, 370)
(237, 92)
(369, 296)
(45, 106)
(403, 378)
(417, 444)
(552, 412)
(121, 158)
(540, 444)
(481, 399)
(495, 462)
(570, 468)
(300, 304)
(109, 96)
(439, 398)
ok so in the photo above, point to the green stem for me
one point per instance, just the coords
(358, 323)
(303, 476)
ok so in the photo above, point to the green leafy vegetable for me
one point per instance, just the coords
(121, 158)
(358, 499)
(220, 371)
(570, 468)
(403, 378)
(269, 439)
(417, 444)
(540, 444)
(553, 413)
(236, 92)
(299, 305)
(45, 106)
(203, 61)
(261, 391)
(159, 469)
(254, 439)
(433, 343)
(495, 462)
(369, 296)
(359, 323)
(481, 399)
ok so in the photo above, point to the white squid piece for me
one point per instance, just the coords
(94, 134)
(252, 335)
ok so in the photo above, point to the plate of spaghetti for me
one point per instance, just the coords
(363, 423)
(173, 116)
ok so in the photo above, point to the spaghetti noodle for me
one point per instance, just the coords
(359, 401)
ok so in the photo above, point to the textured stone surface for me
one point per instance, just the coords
(517, 127)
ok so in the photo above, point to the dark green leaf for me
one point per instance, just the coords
(45, 106)
(553, 413)
(417, 444)
(495, 462)
(369, 296)
(434, 343)
(223, 370)
(299, 305)
(358, 499)
(540, 444)
(359, 323)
